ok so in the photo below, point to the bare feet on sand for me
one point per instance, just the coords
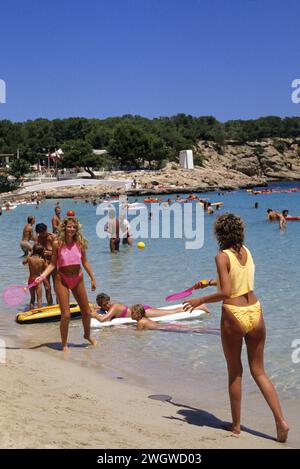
(282, 431)
(90, 340)
(234, 429)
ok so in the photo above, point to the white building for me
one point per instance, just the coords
(99, 152)
(186, 159)
(6, 159)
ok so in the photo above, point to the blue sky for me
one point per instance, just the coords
(233, 59)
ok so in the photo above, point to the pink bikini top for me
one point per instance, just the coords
(69, 255)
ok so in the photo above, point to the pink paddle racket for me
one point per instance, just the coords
(180, 294)
(183, 293)
(13, 295)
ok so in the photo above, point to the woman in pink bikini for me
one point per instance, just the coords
(68, 255)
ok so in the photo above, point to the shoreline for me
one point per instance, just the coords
(69, 192)
(76, 407)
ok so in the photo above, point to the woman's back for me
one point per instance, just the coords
(120, 310)
(241, 272)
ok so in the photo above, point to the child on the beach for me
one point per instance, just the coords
(242, 318)
(138, 314)
(36, 265)
(111, 309)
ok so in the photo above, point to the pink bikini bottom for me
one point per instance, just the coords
(125, 310)
(71, 282)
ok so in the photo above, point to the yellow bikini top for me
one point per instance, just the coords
(241, 276)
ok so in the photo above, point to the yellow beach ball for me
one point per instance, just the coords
(140, 245)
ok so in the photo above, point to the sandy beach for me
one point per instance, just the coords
(48, 402)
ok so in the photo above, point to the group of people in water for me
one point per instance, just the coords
(280, 217)
(64, 255)
(118, 229)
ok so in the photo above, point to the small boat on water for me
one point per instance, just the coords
(214, 204)
(152, 200)
(136, 206)
(8, 208)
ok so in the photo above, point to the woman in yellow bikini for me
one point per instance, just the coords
(241, 318)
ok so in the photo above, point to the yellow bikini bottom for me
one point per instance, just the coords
(248, 316)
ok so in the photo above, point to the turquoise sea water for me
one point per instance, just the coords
(171, 360)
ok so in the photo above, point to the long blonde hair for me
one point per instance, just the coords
(78, 237)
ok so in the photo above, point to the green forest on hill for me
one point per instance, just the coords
(132, 142)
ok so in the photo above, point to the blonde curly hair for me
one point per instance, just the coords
(78, 237)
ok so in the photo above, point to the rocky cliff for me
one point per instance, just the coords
(276, 158)
(230, 166)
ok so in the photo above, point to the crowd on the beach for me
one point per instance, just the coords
(35, 198)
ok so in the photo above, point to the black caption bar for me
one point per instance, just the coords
(144, 457)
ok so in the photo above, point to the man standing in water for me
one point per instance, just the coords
(27, 236)
(125, 229)
(56, 220)
(272, 215)
(282, 219)
(113, 228)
